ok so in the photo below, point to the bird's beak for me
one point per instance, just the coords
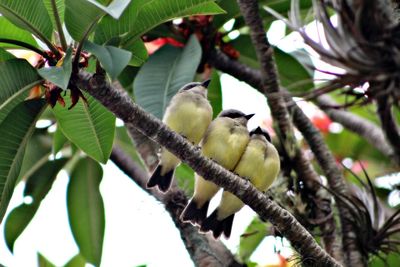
(206, 83)
(249, 116)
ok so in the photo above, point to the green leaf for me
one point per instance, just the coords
(16, 222)
(15, 131)
(155, 12)
(86, 209)
(127, 77)
(91, 127)
(60, 10)
(143, 15)
(4, 55)
(59, 75)
(109, 28)
(139, 53)
(59, 140)
(17, 76)
(185, 178)
(292, 73)
(252, 237)
(77, 261)
(43, 262)
(11, 32)
(37, 153)
(166, 71)
(124, 141)
(29, 15)
(215, 93)
(78, 25)
(113, 59)
(37, 186)
(114, 9)
(232, 11)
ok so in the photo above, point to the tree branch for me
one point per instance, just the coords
(388, 122)
(311, 134)
(203, 249)
(123, 107)
(368, 130)
(279, 110)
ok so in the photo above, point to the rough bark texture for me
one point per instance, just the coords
(388, 122)
(203, 249)
(123, 107)
(311, 134)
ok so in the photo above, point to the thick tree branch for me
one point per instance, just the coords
(203, 249)
(279, 110)
(123, 107)
(368, 130)
(388, 122)
(311, 134)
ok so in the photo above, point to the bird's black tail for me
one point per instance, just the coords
(162, 181)
(212, 223)
(194, 214)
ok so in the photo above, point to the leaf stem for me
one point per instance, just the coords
(58, 25)
(27, 46)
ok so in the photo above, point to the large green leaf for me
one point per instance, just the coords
(86, 209)
(89, 126)
(29, 15)
(113, 59)
(80, 26)
(77, 24)
(15, 131)
(59, 75)
(59, 140)
(251, 238)
(164, 73)
(215, 93)
(11, 32)
(143, 15)
(43, 262)
(37, 153)
(139, 53)
(4, 55)
(155, 12)
(76, 261)
(16, 78)
(60, 10)
(292, 73)
(37, 187)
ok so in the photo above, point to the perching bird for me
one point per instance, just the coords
(224, 142)
(260, 164)
(189, 113)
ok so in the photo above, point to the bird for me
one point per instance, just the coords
(259, 164)
(189, 113)
(224, 142)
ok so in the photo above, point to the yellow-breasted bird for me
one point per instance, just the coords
(260, 164)
(224, 142)
(189, 113)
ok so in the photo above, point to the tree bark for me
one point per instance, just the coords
(123, 107)
(203, 249)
